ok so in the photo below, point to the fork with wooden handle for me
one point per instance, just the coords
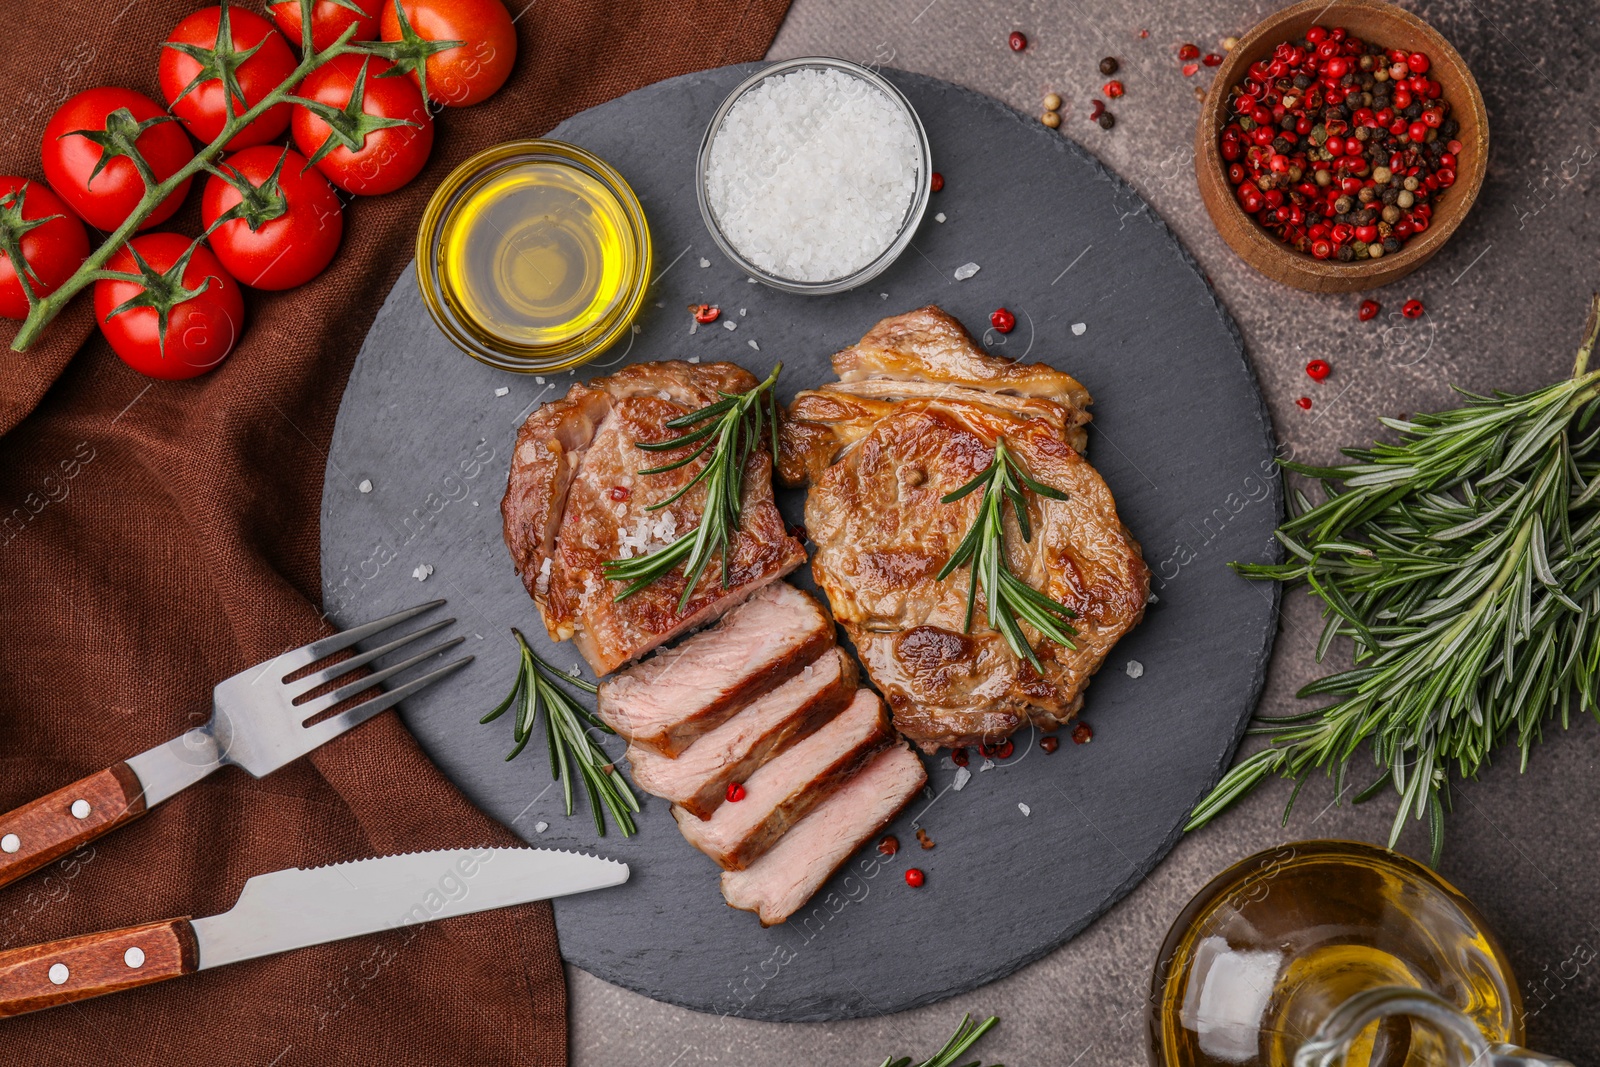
(256, 723)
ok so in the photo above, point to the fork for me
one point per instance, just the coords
(260, 720)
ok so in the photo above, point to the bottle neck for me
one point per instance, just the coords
(1462, 1042)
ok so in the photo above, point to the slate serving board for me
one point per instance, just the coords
(1029, 852)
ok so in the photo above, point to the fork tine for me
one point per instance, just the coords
(328, 729)
(312, 708)
(343, 667)
(294, 659)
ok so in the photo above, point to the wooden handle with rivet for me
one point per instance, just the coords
(44, 976)
(52, 826)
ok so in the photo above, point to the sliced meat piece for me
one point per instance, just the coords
(684, 692)
(575, 499)
(782, 792)
(776, 885)
(697, 781)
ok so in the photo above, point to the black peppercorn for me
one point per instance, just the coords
(1449, 128)
(1108, 65)
(1346, 253)
(1391, 244)
(1390, 195)
(1106, 120)
(1302, 81)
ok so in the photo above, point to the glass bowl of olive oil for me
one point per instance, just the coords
(533, 256)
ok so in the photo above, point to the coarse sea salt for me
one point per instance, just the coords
(812, 172)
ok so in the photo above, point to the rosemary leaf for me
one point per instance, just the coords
(966, 1035)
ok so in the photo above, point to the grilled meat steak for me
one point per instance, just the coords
(782, 792)
(575, 499)
(697, 781)
(915, 416)
(776, 885)
(683, 692)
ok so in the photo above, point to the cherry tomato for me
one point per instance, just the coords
(69, 157)
(387, 156)
(328, 21)
(287, 248)
(204, 108)
(51, 250)
(202, 328)
(468, 72)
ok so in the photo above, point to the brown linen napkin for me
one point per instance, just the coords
(156, 537)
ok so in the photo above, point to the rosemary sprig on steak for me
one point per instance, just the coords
(566, 726)
(1009, 598)
(727, 432)
(965, 1037)
(1464, 565)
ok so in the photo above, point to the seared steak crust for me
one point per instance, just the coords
(575, 500)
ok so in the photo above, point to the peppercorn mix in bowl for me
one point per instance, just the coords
(1343, 146)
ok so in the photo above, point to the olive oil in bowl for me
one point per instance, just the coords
(533, 256)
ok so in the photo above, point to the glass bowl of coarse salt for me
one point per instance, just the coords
(814, 175)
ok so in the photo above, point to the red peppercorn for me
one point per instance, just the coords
(1319, 370)
(1190, 69)
(1188, 51)
(1417, 62)
(1082, 734)
(1144, 34)
(936, 181)
(1049, 743)
(1368, 310)
(889, 845)
(1212, 60)
(704, 313)
(1002, 320)
(959, 757)
(1304, 403)
(620, 492)
(1004, 749)
(1097, 109)
(735, 792)
(985, 750)
(915, 877)
(1018, 40)
(1412, 309)
(1112, 89)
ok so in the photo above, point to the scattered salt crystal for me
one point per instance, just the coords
(966, 270)
(659, 304)
(575, 671)
(741, 313)
(502, 391)
(694, 359)
(963, 776)
(365, 486)
(988, 765)
(541, 584)
(939, 217)
(750, 281)
(537, 380)
(474, 503)
(1135, 669)
(883, 296)
(729, 324)
(540, 827)
(1026, 811)
(1152, 599)
(704, 262)
(812, 172)
(422, 572)
(694, 326)
(478, 636)
(753, 345)
(636, 328)
(1078, 328)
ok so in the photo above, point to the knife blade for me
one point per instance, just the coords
(295, 908)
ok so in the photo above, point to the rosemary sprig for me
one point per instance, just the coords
(965, 1037)
(1007, 597)
(729, 430)
(566, 724)
(1464, 565)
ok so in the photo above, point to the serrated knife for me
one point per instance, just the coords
(295, 908)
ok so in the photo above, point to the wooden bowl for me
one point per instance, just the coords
(1370, 20)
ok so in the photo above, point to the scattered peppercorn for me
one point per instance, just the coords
(1304, 403)
(1229, 43)
(1412, 309)
(1097, 108)
(1051, 119)
(1018, 40)
(1187, 52)
(959, 757)
(1106, 120)
(915, 877)
(1049, 743)
(1002, 320)
(1190, 69)
(735, 792)
(889, 845)
(1112, 89)
(1330, 103)
(1368, 310)
(1211, 59)
(704, 313)
(1052, 102)
(923, 839)
(1082, 734)
(1318, 370)
(1004, 749)
(1144, 34)
(620, 492)
(1108, 65)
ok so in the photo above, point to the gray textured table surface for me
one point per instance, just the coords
(1505, 303)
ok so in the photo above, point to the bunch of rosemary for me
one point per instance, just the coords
(730, 430)
(566, 724)
(966, 1035)
(1464, 565)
